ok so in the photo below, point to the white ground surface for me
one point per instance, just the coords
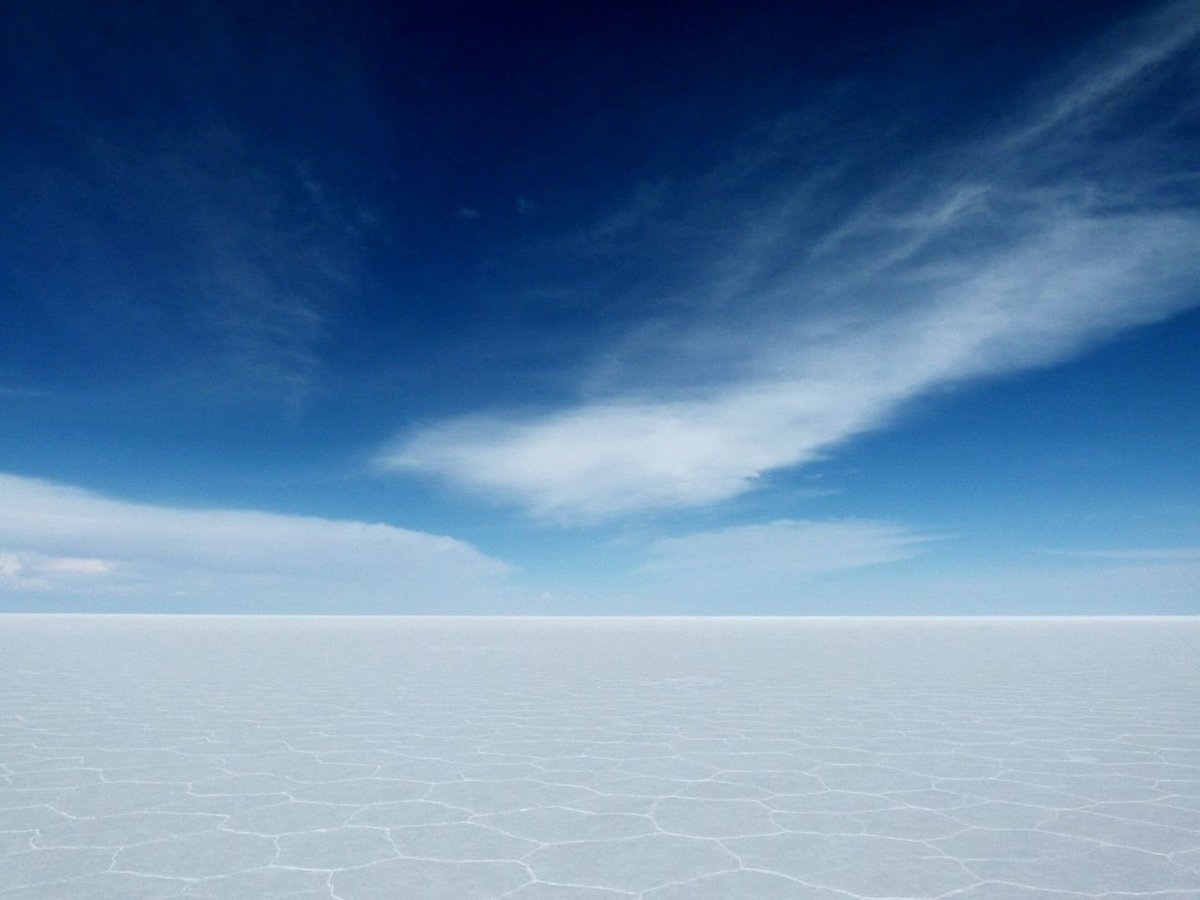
(469, 759)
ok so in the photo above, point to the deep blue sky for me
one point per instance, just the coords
(604, 308)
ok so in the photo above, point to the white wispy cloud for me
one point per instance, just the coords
(79, 546)
(1103, 586)
(38, 572)
(1056, 292)
(854, 567)
(1133, 50)
(778, 567)
(785, 549)
(1012, 252)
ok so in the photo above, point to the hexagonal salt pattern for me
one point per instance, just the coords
(659, 759)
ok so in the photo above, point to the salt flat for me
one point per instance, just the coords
(663, 759)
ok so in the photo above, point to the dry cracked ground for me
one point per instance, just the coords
(662, 759)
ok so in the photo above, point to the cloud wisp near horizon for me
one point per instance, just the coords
(1001, 254)
(58, 541)
(56, 538)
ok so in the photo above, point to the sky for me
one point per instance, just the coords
(772, 308)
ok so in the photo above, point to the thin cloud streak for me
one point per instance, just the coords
(77, 545)
(1112, 588)
(980, 266)
(38, 572)
(168, 194)
(785, 549)
(20, 393)
(780, 562)
(262, 255)
(1148, 43)
(857, 567)
(1037, 304)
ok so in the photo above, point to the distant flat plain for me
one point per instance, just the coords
(661, 759)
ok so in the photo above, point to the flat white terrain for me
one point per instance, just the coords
(662, 759)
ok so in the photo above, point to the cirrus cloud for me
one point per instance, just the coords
(1017, 251)
(1066, 286)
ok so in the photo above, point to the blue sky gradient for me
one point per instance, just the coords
(454, 308)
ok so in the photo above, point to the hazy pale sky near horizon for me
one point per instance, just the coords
(770, 307)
